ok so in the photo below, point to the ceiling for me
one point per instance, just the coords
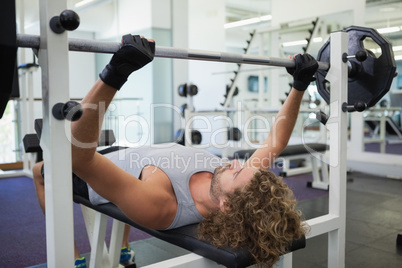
(378, 14)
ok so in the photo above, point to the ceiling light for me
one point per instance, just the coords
(389, 30)
(301, 42)
(399, 57)
(397, 48)
(317, 39)
(294, 43)
(83, 3)
(266, 18)
(247, 21)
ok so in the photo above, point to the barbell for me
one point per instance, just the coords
(363, 76)
(82, 45)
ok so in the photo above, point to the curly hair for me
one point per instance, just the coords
(261, 217)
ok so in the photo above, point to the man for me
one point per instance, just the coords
(238, 205)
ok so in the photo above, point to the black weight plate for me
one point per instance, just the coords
(370, 79)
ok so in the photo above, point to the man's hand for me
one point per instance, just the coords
(135, 53)
(305, 67)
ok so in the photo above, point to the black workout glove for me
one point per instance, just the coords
(135, 53)
(305, 67)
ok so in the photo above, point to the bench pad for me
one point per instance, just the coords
(186, 237)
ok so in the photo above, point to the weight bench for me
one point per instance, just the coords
(309, 152)
(204, 254)
(391, 129)
(95, 217)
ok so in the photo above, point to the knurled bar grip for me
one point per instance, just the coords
(33, 41)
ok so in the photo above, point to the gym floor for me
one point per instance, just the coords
(373, 221)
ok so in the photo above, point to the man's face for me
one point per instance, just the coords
(230, 177)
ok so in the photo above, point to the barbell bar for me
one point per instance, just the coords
(364, 77)
(84, 45)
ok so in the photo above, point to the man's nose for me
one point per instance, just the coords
(236, 165)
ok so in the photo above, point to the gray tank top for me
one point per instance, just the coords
(178, 162)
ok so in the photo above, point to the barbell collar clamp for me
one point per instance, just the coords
(360, 56)
(71, 111)
(358, 106)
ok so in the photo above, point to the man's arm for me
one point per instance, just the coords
(135, 53)
(131, 195)
(282, 128)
